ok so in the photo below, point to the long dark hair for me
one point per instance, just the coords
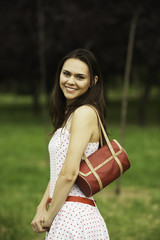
(58, 110)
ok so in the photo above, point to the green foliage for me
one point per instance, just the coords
(24, 173)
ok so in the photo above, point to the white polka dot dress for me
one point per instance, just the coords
(74, 220)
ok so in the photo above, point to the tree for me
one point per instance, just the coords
(126, 81)
(102, 26)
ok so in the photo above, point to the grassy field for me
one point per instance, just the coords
(24, 173)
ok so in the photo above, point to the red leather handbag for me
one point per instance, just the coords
(103, 166)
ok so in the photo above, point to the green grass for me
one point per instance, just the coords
(24, 173)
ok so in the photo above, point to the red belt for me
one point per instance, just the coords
(78, 199)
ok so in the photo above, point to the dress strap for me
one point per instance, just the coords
(68, 123)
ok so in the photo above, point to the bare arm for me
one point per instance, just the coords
(41, 212)
(82, 128)
(45, 198)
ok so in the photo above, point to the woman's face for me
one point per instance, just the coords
(74, 79)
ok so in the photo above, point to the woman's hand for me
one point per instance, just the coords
(46, 224)
(38, 220)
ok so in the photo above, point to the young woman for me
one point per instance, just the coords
(78, 87)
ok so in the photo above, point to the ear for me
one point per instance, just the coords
(95, 80)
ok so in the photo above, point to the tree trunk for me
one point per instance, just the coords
(42, 85)
(36, 102)
(126, 82)
(136, 82)
(144, 100)
(41, 53)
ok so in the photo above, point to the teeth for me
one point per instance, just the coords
(70, 89)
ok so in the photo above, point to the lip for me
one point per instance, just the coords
(69, 89)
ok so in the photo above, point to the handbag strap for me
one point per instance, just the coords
(107, 141)
(93, 171)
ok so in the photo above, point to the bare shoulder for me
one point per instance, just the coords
(85, 112)
(84, 122)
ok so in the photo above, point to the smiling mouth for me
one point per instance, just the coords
(70, 89)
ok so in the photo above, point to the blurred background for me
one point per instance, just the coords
(125, 37)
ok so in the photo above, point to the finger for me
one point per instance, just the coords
(42, 230)
(39, 226)
(34, 227)
(42, 219)
(45, 227)
(42, 227)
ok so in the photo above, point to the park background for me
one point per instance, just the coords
(125, 37)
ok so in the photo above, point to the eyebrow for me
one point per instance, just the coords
(80, 74)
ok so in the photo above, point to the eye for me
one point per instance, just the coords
(80, 77)
(66, 73)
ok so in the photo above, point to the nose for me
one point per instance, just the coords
(71, 80)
